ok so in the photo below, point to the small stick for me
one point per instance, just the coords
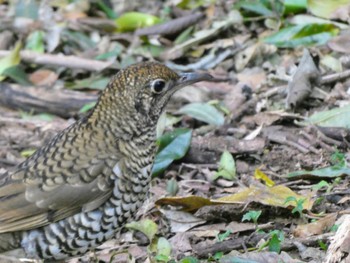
(60, 60)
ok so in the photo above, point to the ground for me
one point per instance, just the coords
(263, 174)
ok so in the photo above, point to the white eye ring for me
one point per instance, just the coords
(158, 86)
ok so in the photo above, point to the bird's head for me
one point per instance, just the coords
(142, 90)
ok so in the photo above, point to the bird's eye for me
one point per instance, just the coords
(158, 86)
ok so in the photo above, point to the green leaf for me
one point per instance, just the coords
(332, 63)
(162, 258)
(172, 187)
(166, 121)
(218, 255)
(189, 260)
(327, 172)
(223, 236)
(185, 35)
(338, 160)
(17, 74)
(146, 226)
(106, 9)
(322, 245)
(337, 117)
(320, 185)
(113, 53)
(133, 20)
(298, 204)
(193, 4)
(172, 146)
(168, 137)
(87, 107)
(227, 167)
(203, 112)
(10, 60)
(303, 35)
(163, 248)
(41, 116)
(275, 243)
(78, 38)
(148, 49)
(258, 7)
(28, 152)
(294, 6)
(35, 41)
(99, 83)
(334, 228)
(290, 199)
(252, 216)
(304, 19)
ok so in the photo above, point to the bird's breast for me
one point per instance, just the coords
(132, 175)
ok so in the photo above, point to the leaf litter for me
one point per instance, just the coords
(237, 179)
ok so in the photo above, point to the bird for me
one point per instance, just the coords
(89, 180)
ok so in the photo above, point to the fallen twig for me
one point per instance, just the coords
(172, 26)
(335, 77)
(60, 60)
(64, 103)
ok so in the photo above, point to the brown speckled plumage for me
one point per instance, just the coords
(75, 192)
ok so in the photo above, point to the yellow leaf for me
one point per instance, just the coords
(270, 196)
(10, 60)
(325, 8)
(258, 174)
(133, 20)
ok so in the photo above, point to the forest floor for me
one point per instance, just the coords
(263, 174)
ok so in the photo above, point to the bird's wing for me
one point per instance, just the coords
(69, 175)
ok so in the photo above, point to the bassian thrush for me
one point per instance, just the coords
(76, 191)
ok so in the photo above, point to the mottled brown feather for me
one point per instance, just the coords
(25, 201)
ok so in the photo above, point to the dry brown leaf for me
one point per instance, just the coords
(261, 257)
(252, 52)
(237, 95)
(340, 43)
(267, 118)
(180, 243)
(43, 77)
(254, 77)
(342, 13)
(75, 15)
(303, 81)
(315, 228)
(181, 221)
(344, 200)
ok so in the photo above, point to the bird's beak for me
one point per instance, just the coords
(190, 78)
